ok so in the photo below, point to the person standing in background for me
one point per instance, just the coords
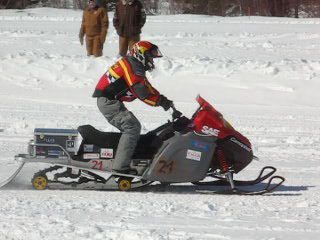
(128, 20)
(104, 3)
(94, 26)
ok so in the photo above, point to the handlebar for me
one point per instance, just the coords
(175, 114)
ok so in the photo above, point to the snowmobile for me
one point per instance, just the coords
(182, 150)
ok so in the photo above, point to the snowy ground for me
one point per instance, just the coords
(262, 73)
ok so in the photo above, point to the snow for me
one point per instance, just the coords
(262, 73)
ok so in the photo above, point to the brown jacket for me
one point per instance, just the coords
(94, 22)
(129, 17)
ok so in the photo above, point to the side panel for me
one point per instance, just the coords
(182, 158)
(98, 164)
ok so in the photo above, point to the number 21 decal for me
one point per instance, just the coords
(97, 164)
(165, 168)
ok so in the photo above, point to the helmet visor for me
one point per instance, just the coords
(155, 52)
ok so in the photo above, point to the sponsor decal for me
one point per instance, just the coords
(106, 153)
(193, 155)
(236, 141)
(48, 140)
(88, 147)
(90, 155)
(40, 151)
(70, 145)
(210, 131)
(55, 153)
(200, 145)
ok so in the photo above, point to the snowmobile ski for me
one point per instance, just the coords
(236, 191)
(224, 182)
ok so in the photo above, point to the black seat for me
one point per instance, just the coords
(91, 135)
(148, 144)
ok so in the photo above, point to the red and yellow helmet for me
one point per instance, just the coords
(145, 52)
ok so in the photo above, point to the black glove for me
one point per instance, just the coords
(81, 36)
(176, 114)
(165, 103)
(81, 39)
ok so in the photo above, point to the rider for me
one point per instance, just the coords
(124, 82)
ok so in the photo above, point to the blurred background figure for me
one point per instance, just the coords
(94, 26)
(128, 20)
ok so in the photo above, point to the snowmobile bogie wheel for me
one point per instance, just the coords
(40, 182)
(124, 184)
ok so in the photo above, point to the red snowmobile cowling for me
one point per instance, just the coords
(208, 121)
